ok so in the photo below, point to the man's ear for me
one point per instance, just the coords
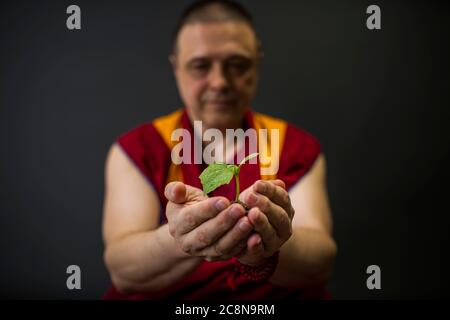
(259, 56)
(173, 61)
(259, 50)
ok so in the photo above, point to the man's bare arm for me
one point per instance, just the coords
(307, 258)
(139, 254)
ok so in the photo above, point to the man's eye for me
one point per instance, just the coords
(238, 67)
(203, 67)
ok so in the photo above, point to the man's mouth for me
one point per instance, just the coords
(222, 103)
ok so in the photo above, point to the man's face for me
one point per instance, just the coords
(216, 71)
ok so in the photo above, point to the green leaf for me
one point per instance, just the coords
(247, 158)
(216, 175)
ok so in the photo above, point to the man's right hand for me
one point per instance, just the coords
(211, 228)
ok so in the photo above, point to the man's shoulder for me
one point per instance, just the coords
(145, 145)
(299, 148)
(160, 127)
(291, 133)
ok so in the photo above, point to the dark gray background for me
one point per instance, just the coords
(377, 100)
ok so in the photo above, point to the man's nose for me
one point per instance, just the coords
(217, 77)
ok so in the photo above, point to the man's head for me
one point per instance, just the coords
(215, 60)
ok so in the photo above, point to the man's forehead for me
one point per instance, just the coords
(216, 39)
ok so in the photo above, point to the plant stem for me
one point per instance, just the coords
(236, 177)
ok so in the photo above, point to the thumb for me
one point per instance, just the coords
(279, 183)
(178, 192)
(175, 192)
(244, 193)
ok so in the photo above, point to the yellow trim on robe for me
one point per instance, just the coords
(165, 126)
(262, 121)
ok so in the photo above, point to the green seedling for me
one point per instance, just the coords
(218, 174)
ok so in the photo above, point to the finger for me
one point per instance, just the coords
(254, 240)
(242, 247)
(276, 194)
(264, 228)
(190, 217)
(239, 249)
(179, 192)
(276, 215)
(210, 231)
(233, 241)
(279, 183)
(243, 194)
(255, 251)
(175, 192)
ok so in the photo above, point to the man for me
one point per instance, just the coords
(210, 247)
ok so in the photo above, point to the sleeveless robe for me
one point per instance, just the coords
(149, 147)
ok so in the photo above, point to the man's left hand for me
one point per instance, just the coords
(271, 214)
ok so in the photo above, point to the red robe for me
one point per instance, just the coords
(149, 148)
